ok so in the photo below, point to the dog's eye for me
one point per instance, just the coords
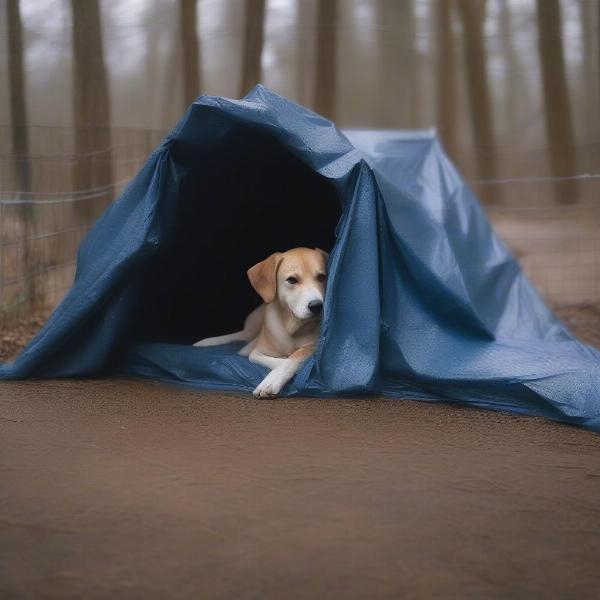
(292, 280)
(321, 277)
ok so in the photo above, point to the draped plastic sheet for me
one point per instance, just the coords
(423, 300)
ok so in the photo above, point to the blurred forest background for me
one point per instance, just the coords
(89, 87)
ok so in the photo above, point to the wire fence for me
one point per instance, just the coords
(45, 213)
(41, 226)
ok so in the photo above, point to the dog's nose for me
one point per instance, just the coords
(315, 307)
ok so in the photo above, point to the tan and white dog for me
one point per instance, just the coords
(283, 332)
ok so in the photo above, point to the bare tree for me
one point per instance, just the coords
(390, 107)
(91, 108)
(305, 35)
(171, 95)
(516, 89)
(557, 113)
(397, 64)
(325, 87)
(18, 104)
(20, 140)
(153, 72)
(446, 75)
(188, 15)
(472, 14)
(409, 61)
(253, 45)
(588, 33)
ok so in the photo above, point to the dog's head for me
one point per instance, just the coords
(296, 279)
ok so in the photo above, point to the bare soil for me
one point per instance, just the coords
(118, 489)
(15, 338)
(583, 320)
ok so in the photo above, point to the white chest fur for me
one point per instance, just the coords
(288, 334)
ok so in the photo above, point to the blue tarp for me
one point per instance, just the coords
(423, 300)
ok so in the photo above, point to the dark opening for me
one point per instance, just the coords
(243, 197)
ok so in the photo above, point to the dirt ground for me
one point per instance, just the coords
(583, 320)
(14, 339)
(125, 489)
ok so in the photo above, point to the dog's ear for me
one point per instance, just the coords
(263, 276)
(324, 254)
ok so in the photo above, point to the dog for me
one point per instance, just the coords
(283, 331)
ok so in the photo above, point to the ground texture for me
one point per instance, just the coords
(113, 489)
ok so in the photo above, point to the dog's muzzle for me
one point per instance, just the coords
(315, 307)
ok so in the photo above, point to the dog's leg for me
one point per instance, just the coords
(271, 362)
(282, 372)
(238, 336)
(247, 349)
(251, 329)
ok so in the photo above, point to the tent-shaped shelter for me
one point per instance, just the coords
(423, 300)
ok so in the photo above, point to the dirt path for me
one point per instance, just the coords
(130, 489)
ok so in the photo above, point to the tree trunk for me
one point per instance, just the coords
(171, 94)
(516, 89)
(253, 45)
(589, 76)
(154, 73)
(189, 38)
(91, 110)
(559, 120)
(20, 141)
(325, 87)
(410, 61)
(397, 65)
(472, 14)
(446, 76)
(305, 35)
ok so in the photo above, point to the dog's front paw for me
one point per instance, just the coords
(270, 386)
(203, 343)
